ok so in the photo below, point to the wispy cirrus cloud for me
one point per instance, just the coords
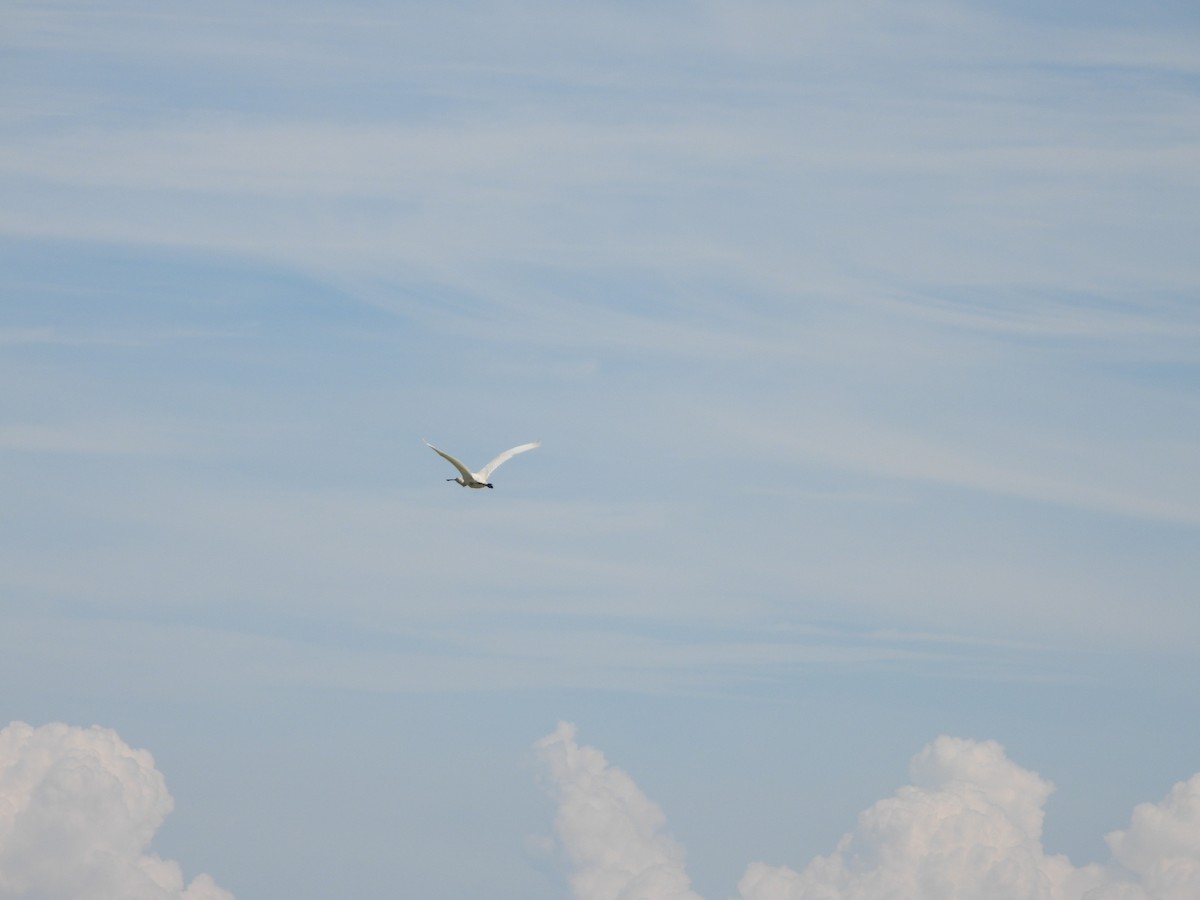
(458, 171)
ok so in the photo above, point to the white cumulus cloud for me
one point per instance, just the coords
(1162, 844)
(78, 808)
(610, 831)
(968, 827)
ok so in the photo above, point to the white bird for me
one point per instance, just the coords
(480, 479)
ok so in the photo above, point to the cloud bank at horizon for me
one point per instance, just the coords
(78, 809)
(969, 827)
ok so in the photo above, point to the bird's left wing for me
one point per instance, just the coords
(466, 473)
(505, 456)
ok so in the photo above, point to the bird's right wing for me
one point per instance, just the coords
(504, 457)
(466, 473)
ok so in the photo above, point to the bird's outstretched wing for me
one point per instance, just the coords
(504, 457)
(466, 473)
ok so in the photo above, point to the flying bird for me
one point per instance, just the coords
(480, 479)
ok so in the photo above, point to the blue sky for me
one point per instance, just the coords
(862, 338)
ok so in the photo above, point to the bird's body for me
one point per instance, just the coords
(480, 479)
